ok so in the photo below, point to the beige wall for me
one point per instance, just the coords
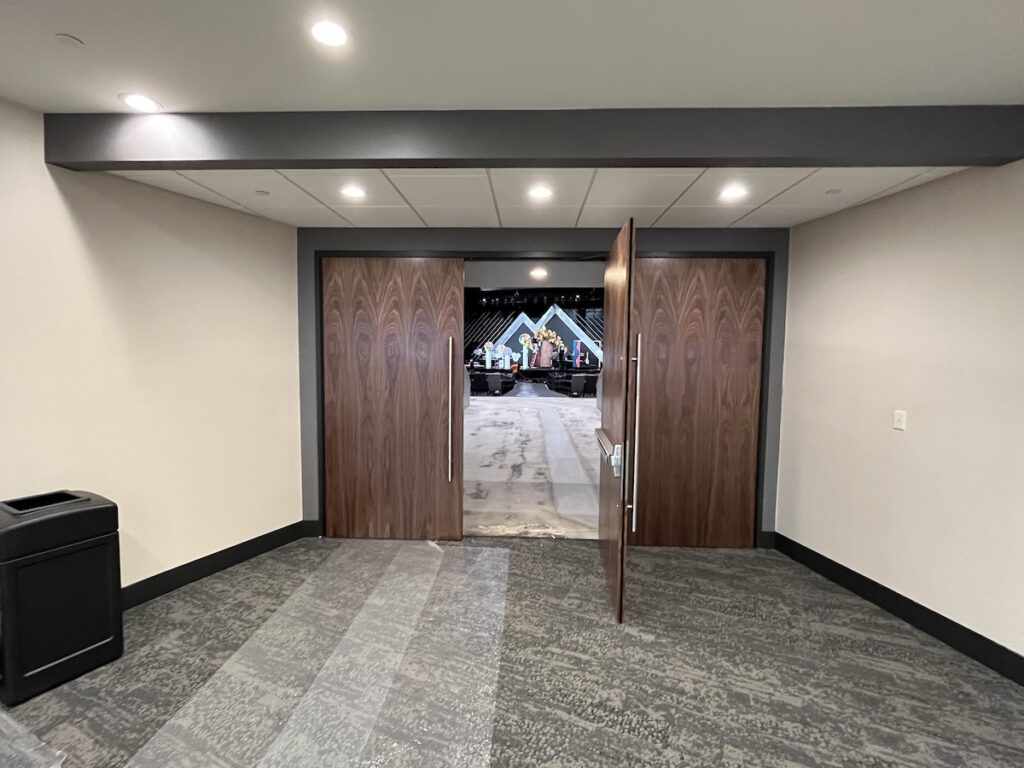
(915, 302)
(149, 351)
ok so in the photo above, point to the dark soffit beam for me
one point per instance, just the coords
(836, 136)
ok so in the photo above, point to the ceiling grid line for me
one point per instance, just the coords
(494, 198)
(215, 192)
(324, 204)
(801, 180)
(404, 198)
(586, 196)
(679, 197)
(582, 197)
(893, 187)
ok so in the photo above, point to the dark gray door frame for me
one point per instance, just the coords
(314, 244)
(809, 136)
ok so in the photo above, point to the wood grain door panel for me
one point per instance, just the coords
(615, 411)
(386, 329)
(702, 323)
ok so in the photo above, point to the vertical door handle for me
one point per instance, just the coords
(451, 389)
(636, 429)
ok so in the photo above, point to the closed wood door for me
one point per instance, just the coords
(701, 328)
(392, 397)
(615, 430)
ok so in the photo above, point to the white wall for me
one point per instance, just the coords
(149, 353)
(914, 302)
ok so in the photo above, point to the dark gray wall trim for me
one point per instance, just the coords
(313, 243)
(967, 641)
(837, 136)
(168, 581)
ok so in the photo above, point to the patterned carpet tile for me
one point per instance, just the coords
(503, 652)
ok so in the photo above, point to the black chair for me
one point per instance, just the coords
(578, 385)
(478, 383)
(500, 383)
(559, 382)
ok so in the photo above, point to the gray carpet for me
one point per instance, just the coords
(727, 658)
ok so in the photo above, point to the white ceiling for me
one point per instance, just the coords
(231, 55)
(582, 197)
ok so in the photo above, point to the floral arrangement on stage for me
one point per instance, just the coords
(526, 340)
(546, 334)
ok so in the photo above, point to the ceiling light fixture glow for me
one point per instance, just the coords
(538, 273)
(329, 33)
(733, 192)
(140, 102)
(540, 192)
(353, 192)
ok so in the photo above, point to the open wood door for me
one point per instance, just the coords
(615, 434)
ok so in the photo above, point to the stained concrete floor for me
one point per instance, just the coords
(531, 466)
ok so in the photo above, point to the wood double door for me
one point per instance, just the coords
(680, 408)
(680, 400)
(392, 397)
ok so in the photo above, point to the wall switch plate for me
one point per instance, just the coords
(899, 420)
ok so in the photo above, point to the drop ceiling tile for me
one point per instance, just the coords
(242, 187)
(305, 217)
(447, 187)
(326, 185)
(463, 216)
(616, 216)
(767, 216)
(842, 187)
(640, 186)
(702, 215)
(568, 184)
(539, 216)
(172, 181)
(928, 176)
(381, 216)
(763, 183)
(944, 170)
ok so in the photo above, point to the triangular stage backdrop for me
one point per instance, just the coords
(555, 319)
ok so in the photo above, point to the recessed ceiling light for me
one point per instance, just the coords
(140, 103)
(69, 40)
(730, 193)
(541, 192)
(262, 193)
(538, 273)
(329, 33)
(353, 192)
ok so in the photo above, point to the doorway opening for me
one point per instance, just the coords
(533, 359)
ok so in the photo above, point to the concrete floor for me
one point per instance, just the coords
(531, 466)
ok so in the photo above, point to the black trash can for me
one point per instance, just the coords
(60, 590)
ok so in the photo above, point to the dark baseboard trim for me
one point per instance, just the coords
(765, 540)
(142, 591)
(994, 656)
